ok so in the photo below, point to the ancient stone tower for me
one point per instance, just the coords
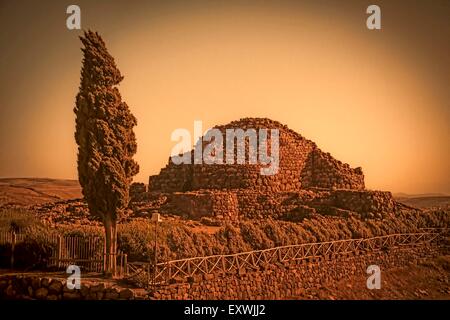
(302, 165)
(308, 181)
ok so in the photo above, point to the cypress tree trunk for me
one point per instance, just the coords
(108, 247)
(110, 263)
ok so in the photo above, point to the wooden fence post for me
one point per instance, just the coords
(13, 245)
(104, 254)
(169, 270)
(224, 265)
(59, 252)
(125, 263)
(121, 268)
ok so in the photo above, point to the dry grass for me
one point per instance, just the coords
(29, 191)
(178, 238)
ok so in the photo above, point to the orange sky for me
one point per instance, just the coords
(376, 99)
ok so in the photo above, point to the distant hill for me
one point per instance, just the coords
(401, 195)
(426, 201)
(29, 191)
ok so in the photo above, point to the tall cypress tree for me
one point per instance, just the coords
(106, 141)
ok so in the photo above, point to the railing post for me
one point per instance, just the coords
(104, 254)
(169, 271)
(253, 259)
(120, 262)
(224, 265)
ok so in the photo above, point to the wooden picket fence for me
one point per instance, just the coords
(85, 252)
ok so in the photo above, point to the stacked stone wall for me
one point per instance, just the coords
(29, 286)
(323, 171)
(295, 205)
(198, 204)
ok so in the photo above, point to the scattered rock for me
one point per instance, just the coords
(41, 293)
(126, 294)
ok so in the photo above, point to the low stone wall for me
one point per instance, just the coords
(197, 204)
(23, 286)
(364, 201)
(293, 205)
(284, 281)
(256, 204)
(259, 205)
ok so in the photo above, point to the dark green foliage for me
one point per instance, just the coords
(5, 255)
(176, 240)
(33, 253)
(106, 141)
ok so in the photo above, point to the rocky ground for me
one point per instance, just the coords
(429, 280)
(52, 286)
(57, 202)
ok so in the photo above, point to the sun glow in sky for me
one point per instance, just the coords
(375, 99)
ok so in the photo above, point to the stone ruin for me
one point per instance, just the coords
(309, 181)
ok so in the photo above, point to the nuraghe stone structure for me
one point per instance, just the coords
(308, 181)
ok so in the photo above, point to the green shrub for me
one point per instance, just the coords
(5, 255)
(177, 240)
(34, 252)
